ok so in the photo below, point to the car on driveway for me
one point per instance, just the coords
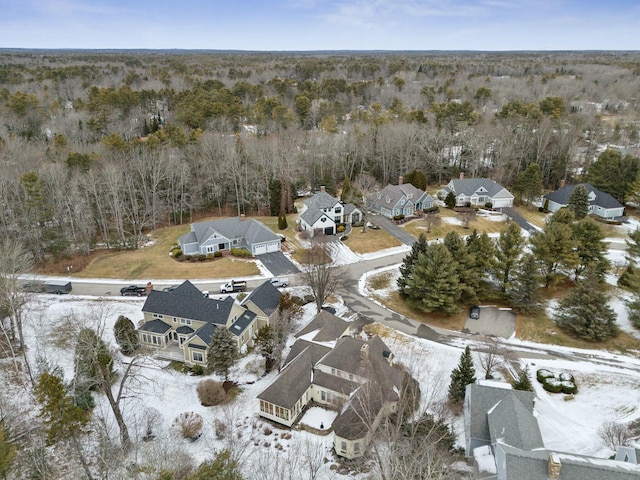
(133, 291)
(279, 282)
(474, 312)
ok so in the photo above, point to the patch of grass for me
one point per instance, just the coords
(481, 224)
(380, 281)
(370, 241)
(533, 215)
(398, 304)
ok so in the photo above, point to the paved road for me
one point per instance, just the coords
(514, 215)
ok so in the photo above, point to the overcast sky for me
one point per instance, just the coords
(276, 25)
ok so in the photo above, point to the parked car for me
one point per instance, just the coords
(474, 312)
(170, 288)
(373, 226)
(133, 290)
(279, 282)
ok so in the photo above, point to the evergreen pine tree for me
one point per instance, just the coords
(590, 248)
(126, 335)
(417, 179)
(555, 250)
(433, 285)
(585, 312)
(275, 194)
(508, 251)
(579, 202)
(523, 291)
(523, 381)
(450, 200)
(483, 250)
(464, 374)
(282, 222)
(223, 351)
(465, 267)
(420, 246)
(563, 215)
(223, 467)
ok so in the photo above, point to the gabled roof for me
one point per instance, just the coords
(329, 327)
(395, 192)
(312, 215)
(252, 231)
(483, 398)
(187, 288)
(294, 379)
(603, 199)
(189, 305)
(321, 200)
(349, 208)
(469, 186)
(511, 423)
(317, 351)
(266, 297)
(241, 324)
(346, 354)
(155, 326)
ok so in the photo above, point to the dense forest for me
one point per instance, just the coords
(99, 147)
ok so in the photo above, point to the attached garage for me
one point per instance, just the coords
(259, 249)
(262, 248)
(502, 202)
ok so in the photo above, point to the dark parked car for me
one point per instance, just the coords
(133, 290)
(474, 312)
(170, 288)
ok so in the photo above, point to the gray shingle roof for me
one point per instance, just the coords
(294, 379)
(468, 186)
(241, 324)
(321, 200)
(483, 398)
(395, 192)
(329, 327)
(184, 329)
(511, 423)
(312, 215)
(191, 305)
(266, 297)
(317, 351)
(155, 326)
(603, 199)
(346, 354)
(249, 230)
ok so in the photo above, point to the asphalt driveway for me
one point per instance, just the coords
(393, 229)
(278, 264)
(492, 321)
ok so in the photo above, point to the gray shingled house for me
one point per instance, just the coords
(353, 376)
(264, 301)
(324, 213)
(501, 421)
(227, 233)
(478, 192)
(601, 203)
(402, 199)
(180, 323)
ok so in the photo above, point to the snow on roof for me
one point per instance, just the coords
(485, 459)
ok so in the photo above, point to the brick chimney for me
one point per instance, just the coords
(461, 175)
(322, 188)
(400, 180)
(364, 354)
(241, 217)
(554, 466)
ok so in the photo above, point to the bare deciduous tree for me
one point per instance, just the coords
(614, 434)
(322, 275)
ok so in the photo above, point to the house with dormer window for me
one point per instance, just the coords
(323, 213)
(179, 323)
(478, 192)
(601, 204)
(327, 367)
(402, 199)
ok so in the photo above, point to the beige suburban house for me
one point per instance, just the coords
(179, 324)
(327, 367)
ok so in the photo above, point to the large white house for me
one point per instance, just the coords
(323, 213)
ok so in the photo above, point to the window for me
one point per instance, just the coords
(157, 315)
(185, 321)
(351, 377)
(175, 319)
(266, 407)
(356, 447)
(333, 371)
(343, 446)
(323, 396)
(197, 357)
(210, 249)
(338, 210)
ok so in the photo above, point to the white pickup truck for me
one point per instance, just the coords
(279, 282)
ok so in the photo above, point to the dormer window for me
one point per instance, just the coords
(338, 210)
(409, 195)
(388, 199)
(379, 196)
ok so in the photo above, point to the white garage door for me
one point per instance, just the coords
(259, 249)
(273, 247)
(501, 202)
